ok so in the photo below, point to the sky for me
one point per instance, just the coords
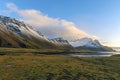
(91, 18)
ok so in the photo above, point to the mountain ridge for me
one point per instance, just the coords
(15, 33)
(24, 33)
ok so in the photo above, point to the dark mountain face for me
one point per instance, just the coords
(14, 33)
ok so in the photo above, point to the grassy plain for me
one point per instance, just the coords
(29, 66)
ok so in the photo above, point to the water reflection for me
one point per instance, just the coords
(96, 54)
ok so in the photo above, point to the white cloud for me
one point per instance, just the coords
(111, 44)
(12, 6)
(51, 27)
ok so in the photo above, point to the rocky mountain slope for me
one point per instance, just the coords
(14, 33)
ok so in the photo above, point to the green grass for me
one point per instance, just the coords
(4, 50)
(50, 67)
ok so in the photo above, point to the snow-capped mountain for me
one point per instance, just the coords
(86, 42)
(14, 33)
(89, 44)
(60, 40)
(18, 27)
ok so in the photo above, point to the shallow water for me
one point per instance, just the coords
(96, 54)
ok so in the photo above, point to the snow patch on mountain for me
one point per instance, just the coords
(86, 42)
(60, 40)
(19, 27)
(23, 30)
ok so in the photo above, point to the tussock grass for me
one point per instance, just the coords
(51, 67)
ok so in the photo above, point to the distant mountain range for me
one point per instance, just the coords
(17, 34)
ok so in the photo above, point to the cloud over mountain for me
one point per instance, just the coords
(51, 27)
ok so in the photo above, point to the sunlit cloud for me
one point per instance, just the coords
(50, 27)
(111, 44)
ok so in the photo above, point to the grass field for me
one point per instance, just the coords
(39, 51)
(49, 67)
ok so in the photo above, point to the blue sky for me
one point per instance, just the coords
(96, 17)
